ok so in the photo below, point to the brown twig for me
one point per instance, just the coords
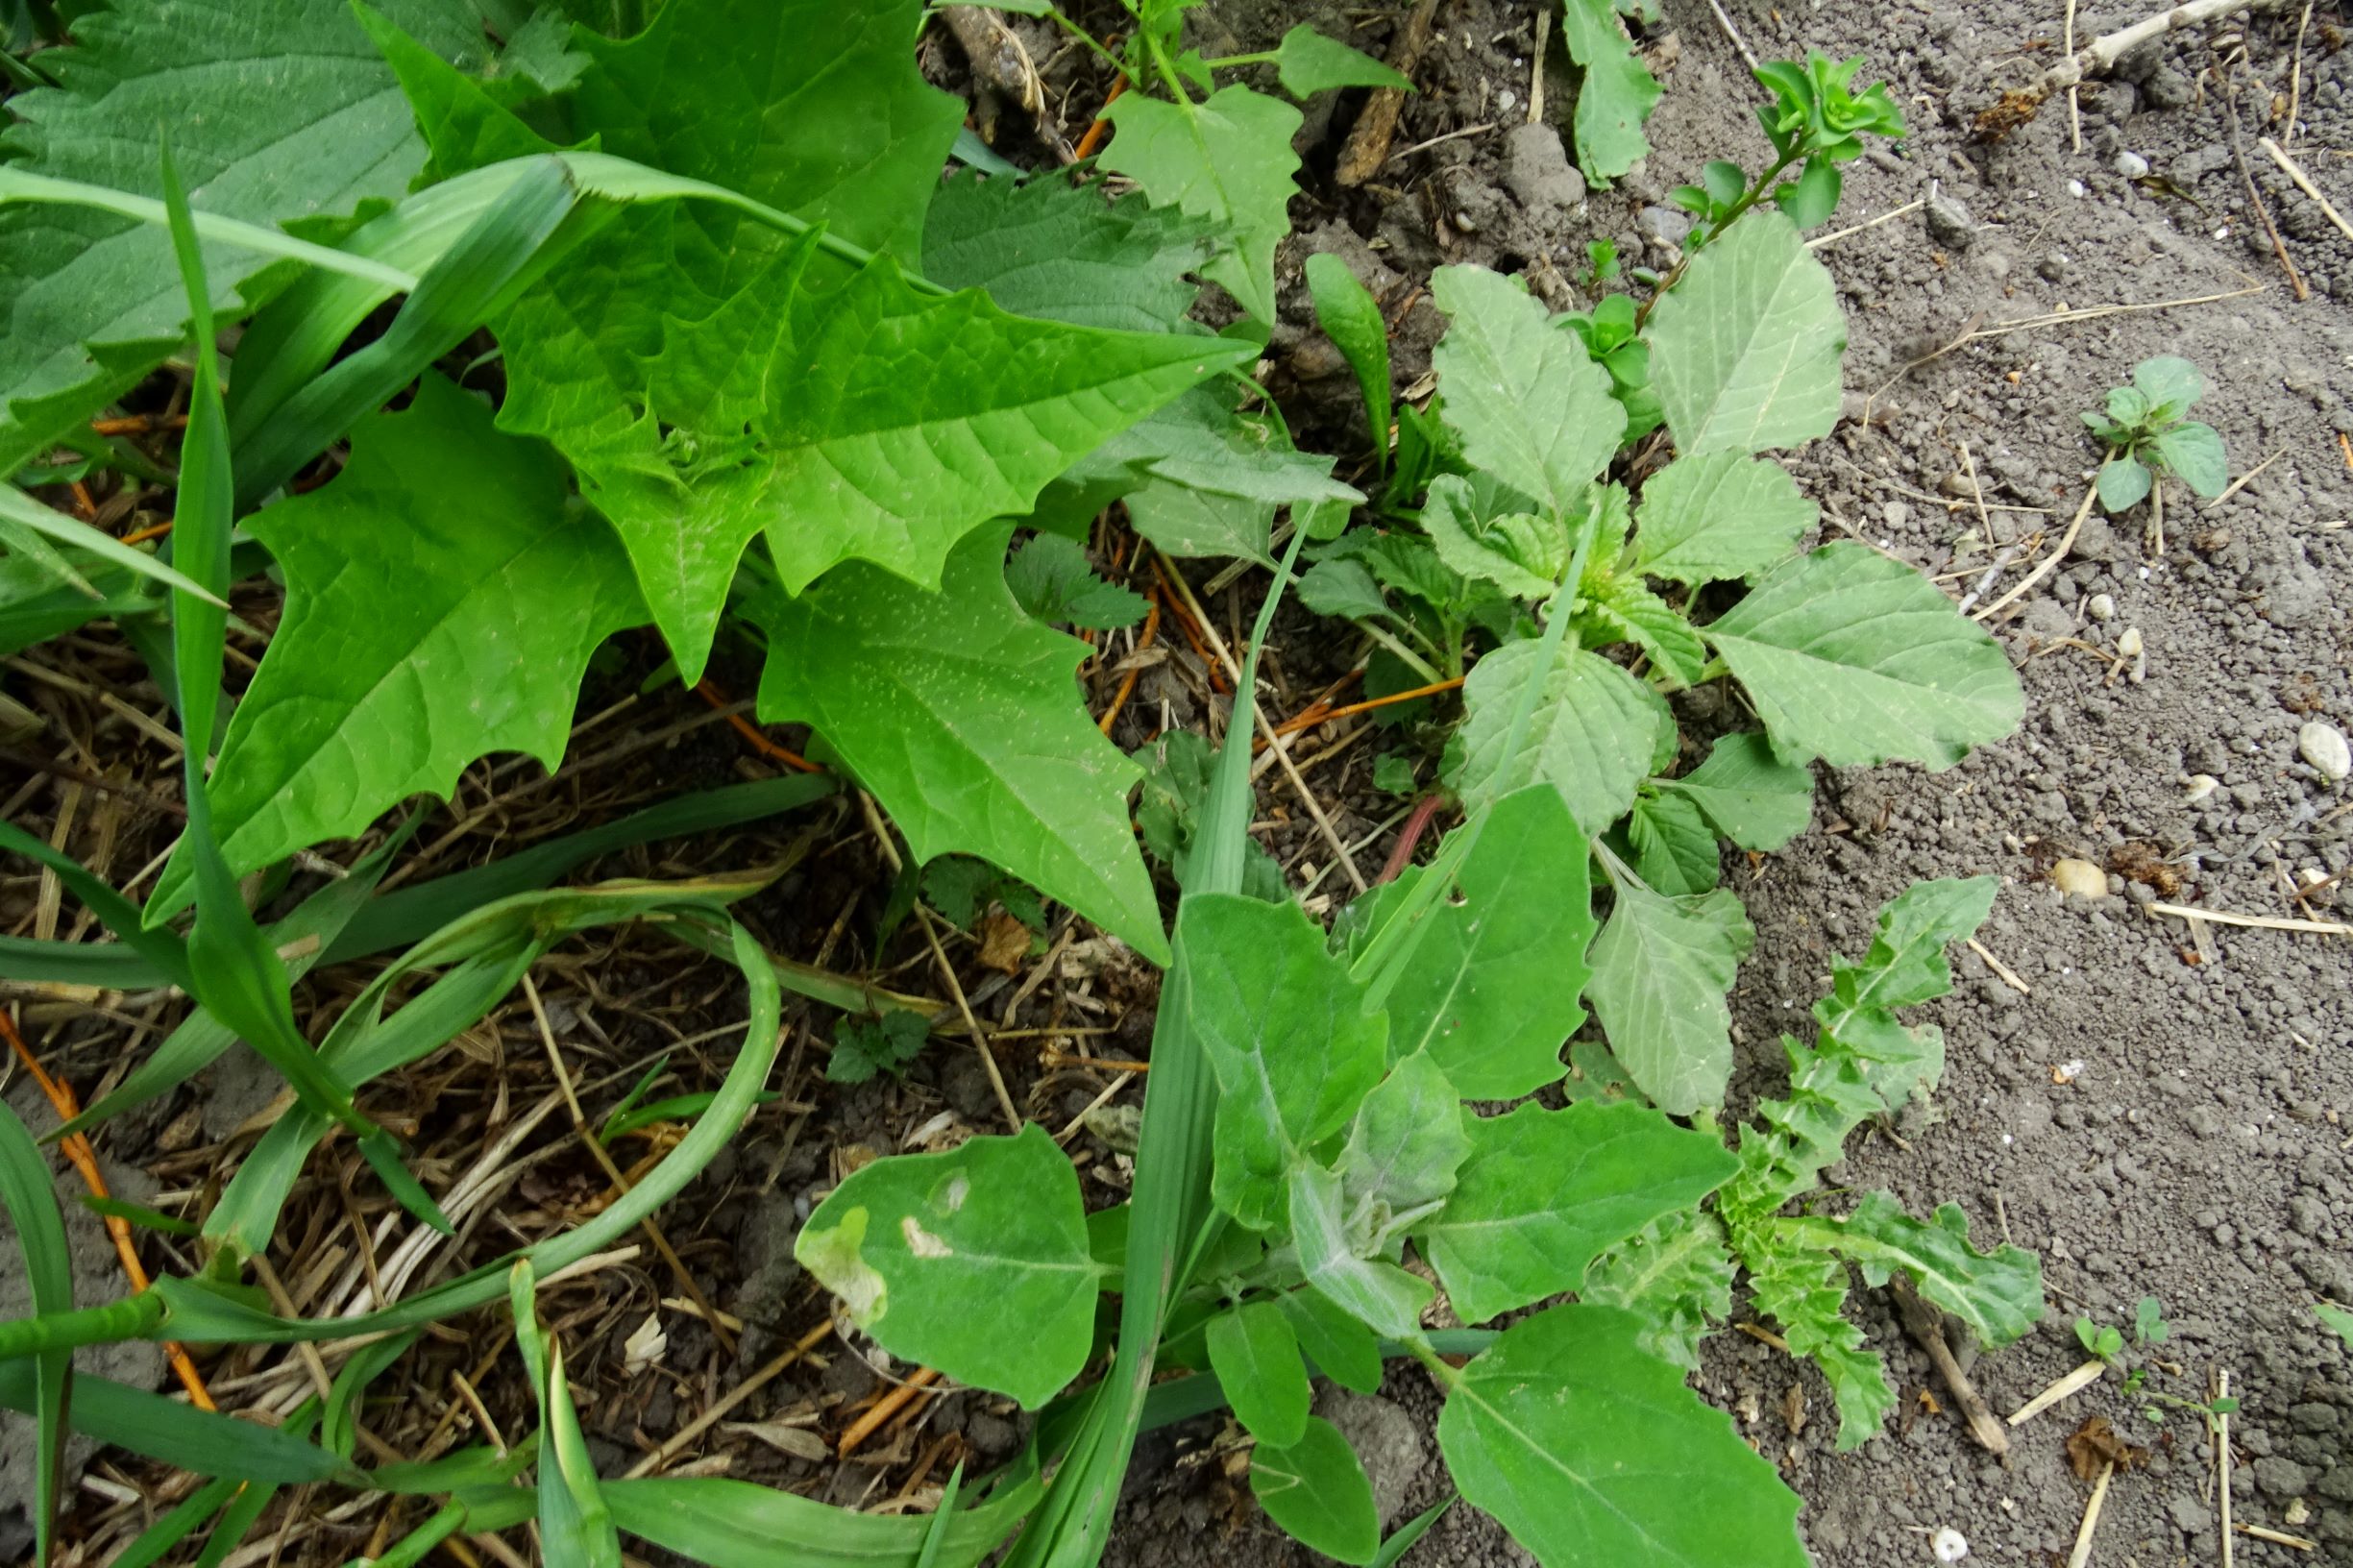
(1127, 682)
(2262, 210)
(1927, 1324)
(1367, 147)
(1401, 854)
(883, 1408)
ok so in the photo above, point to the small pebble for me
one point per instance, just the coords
(2324, 747)
(2131, 166)
(1950, 1545)
(2199, 787)
(2079, 878)
(2100, 608)
(2074, 189)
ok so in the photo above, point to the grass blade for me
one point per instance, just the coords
(167, 955)
(399, 918)
(29, 1195)
(188, 1311)
(143, 1422)
(501, 251)
(201, 1038)
(156, 1541)
(1171, 1205)
(16, 506)
(252, 1500)
(240, 976)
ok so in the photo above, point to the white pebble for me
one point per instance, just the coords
(1950, 1545)
(1507, 98)
(2100, 608)
(2131, 166)
(2199, 787)
(2074, 189)
(2324, 747)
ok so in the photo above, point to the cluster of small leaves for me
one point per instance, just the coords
(2150, 435)
(1816, 122)
(863, 1047)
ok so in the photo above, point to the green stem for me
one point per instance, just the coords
(1413, 660)
(1168, 71)
(131, 1317)
(1264, 57)
(1749, 198)
(1088, 38)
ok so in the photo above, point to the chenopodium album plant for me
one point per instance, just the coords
(726, 311)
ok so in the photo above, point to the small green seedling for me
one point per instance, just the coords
(863, 1047)
(1815, 119)
(2337, 1318)
(2148, 1329)
(2149, 436)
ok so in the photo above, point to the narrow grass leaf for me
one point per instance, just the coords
(29, 1193)
(172, 1431)
(18, 508)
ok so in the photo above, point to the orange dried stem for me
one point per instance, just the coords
(883, 1408)
(1127, 684)
(85, 1159)
(139, 423)
(1316, 713)
(1192, 630)
(157, 531)
(708, 690)
(1095, 133)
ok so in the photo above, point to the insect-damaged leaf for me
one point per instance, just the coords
(974, 1262)
(959, 712)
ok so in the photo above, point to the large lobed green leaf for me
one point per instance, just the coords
(974, 1262)
(1856, 658)
(960, 713)
(1594, 1455)
(277, 111)
(1285, 1030)
(424, 628)
(1675, 1275)
(1544, 1192)
(1744, 349)
(1533, 407)
(1060, 251)
(869, 421)
(1227, 160)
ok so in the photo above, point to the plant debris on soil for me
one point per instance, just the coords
(2154, 1103)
